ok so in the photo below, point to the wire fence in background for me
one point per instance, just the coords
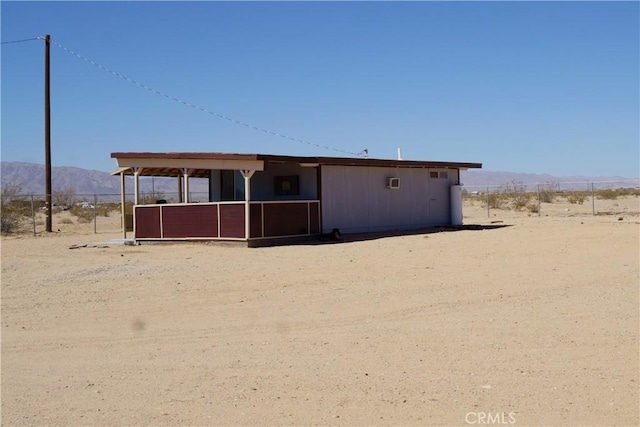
(102, 213)
(555, 198)
(97, 213)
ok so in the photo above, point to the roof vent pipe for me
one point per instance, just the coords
(399, 154)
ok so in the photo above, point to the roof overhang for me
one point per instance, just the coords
(200, 164)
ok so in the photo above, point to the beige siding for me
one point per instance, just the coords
(356, 199)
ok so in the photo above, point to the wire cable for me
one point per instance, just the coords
(196, 107)
(23, 40)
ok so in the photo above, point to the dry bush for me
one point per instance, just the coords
(77, 210)
(497, 199)
(512, 196)
(608, 194)
(14, 210)
(577, 197)
(83, 215)
(547, 192)
(105, 209)
(533, 207)
(65, 221)
(63, 197)
(520, 201)
(619, 192)
(517, 193)
(629, 192)
(87, 214)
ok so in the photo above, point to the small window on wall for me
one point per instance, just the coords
(286, 185)
(440, 175)
(393, 183)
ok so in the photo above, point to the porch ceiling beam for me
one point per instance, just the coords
(120, 171)
(221, 164)
(247, 173)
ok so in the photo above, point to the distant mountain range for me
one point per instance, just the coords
(30, 178)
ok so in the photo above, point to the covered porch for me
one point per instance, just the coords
(249, 199)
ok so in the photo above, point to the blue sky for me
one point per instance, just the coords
(537, 87)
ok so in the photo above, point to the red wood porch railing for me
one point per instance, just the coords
(226, 220)
(279, 219)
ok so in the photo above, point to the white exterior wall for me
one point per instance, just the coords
(356, 199)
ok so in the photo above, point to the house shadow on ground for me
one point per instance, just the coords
(337, 238)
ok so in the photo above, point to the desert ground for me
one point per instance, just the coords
(533, 323)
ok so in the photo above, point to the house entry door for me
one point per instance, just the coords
(439, 198)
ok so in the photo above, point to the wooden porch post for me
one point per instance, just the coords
(136, 185)
(185, 174)
(123, 201)
(247, 174)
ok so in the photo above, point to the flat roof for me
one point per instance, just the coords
(310, 160)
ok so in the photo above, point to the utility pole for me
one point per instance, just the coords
(47, 132)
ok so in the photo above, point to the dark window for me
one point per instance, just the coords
(433, 174)
(286, 185)
(232, 185)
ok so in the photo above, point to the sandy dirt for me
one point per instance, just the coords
(534, 323)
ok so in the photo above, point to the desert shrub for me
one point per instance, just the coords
(66, 221)
(628, 192)
(63, 197)
(548, 192)
(608, 194)
(577, 197)
(103, 210)
(57, 209)
(533, 207)
(497, 200)
(84, 220)
(14, 210)
(83, 215)
(85, 211)
(513, 196)
(520, 201)
(518, 196)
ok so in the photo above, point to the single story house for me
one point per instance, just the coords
(254, 197)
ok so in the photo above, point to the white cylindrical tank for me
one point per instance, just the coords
(456, 205)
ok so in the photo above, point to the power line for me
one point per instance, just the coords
(23, 40)
(196, 107)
